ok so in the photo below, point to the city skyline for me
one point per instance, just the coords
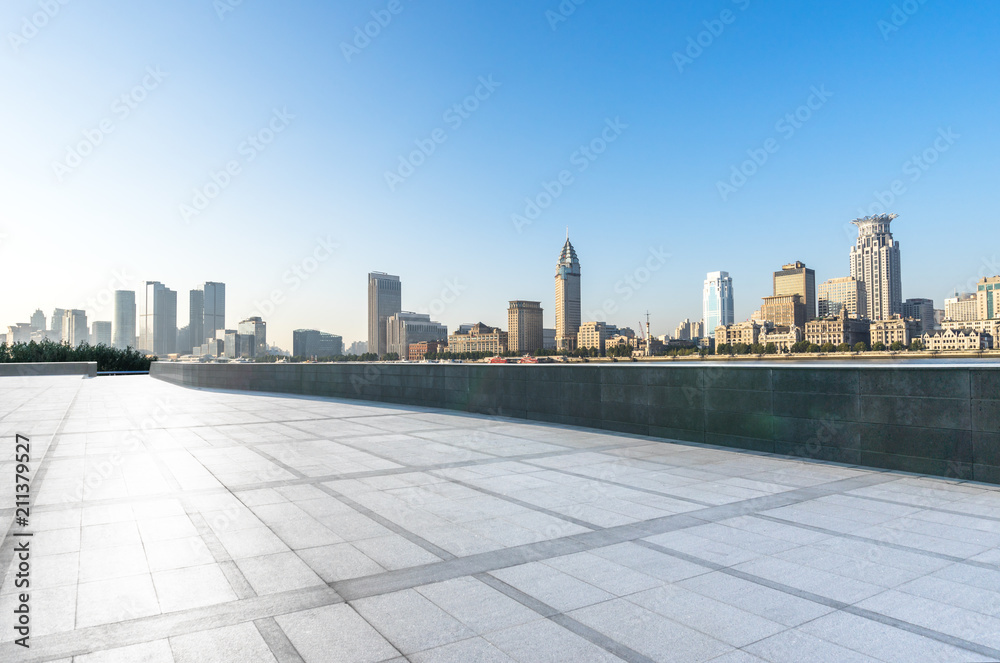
(290, 228)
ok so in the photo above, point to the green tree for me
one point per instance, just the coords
(917, 345)
(843, 347)
(813, 348)
(879, 346)
(800, 346)
(860, 346)
(827, 347)
(770, 349)
(897, 346)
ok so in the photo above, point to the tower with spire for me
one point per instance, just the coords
(567, 297)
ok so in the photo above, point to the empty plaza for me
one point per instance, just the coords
(177, 524)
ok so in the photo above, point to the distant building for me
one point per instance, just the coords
(481, 338)
(717, 301)
(567, 298)
(312, 343)
(991, 327)
(123, 320)
(741, 332)
(921, 310)
(962, 307)
(785, 310)
(875, 264)
(689, 331)
(782, 337)
(37, 321)
(593, 335)
(196, 316)
(797, 279)
(838, 294)
(158, 323)
(57, 323)
(100, 333)
(255, 327)
(405, 328)
(419, 351)
(524, 326)
(358, 348)
(958, 339)
(838, 330)
(988, 298)
(74, 327)
(184, 343)
(385, 299)
(19, 333)
(215, 308)
(549, 339)
(895, 330)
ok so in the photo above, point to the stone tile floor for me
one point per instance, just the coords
(180, 525)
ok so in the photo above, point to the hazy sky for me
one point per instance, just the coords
(114, 114)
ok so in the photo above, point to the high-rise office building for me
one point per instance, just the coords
(215, 308)
(922, 310)
(988, 298)
(57, 323)
(256, 328)
(123, 322)
(567, 298)
(524, 326)
(196, 317)
(100, 333)
(875, 264)
(797, 279)
(158, 322)
(784, 310)
(74, 327)
(37, 321)
(405, 328)
(314, 343)
(962, 307)
(385, 299)
(840, 293)
(717, 302)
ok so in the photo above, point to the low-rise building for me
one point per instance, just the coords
(782, 337)
(839, 329)
(895, 330)
(480, 338)
(419, 351)
(958, 339)
(741, 332)
(593, 335)
(991, 327)
(962, 307)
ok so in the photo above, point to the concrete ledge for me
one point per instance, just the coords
(941, 420)
(84, 368)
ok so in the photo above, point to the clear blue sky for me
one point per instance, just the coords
(65, 235)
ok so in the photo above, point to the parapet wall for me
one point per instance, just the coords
(86, 368)
(935, 420)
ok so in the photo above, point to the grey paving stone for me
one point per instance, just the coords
(411, 622)
(543, 641)
(241, 643)
(335, 634)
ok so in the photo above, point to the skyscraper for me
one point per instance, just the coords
(56, 321)
(100, 333)
(256, 328)
(74, 327)
(158, 322)
(837, 294)
(37, 321)
(717, 301)
(215, 308)
(567, 297)
(875, 264)
(797, 279)
(385, 298)
(524, 326)
(922, 310)
(123, 323)
(196, 317)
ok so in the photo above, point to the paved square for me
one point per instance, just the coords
(172, 524)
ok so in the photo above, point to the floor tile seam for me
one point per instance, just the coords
(649, 491)
(919, 507)
(877, 542)
(827, 601)
(37, 478)
(277, 641)
(563, 620)
(66, 644)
